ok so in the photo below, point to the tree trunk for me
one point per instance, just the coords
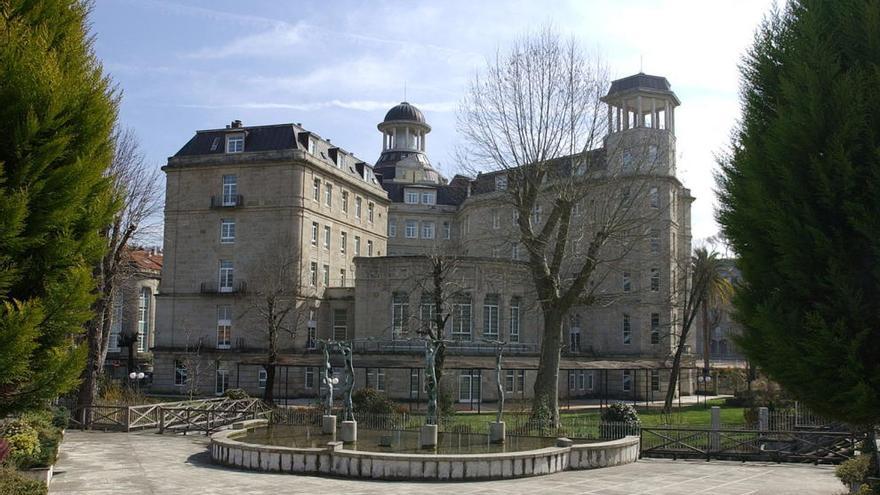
(545, 404)
(269, 391)
(673, 374)
(88, 390)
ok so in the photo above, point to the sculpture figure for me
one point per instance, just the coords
(431, 347)
(328, 380)
(499, 348)
(348, 384)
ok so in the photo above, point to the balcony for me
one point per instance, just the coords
(214, 288)
(233, 201)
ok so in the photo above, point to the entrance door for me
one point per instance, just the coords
(469, 387)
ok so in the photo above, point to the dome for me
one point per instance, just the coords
(405, 111)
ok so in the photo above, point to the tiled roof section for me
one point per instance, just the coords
(146, 259)
(446, 194)
(485, 183)
(259, 138)
(640, 81)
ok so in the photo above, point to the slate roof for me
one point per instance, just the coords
(446, 194)
(404, 111)
(257, 138)
(640, 81)
(485, 183)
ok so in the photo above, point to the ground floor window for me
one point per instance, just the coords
(222, 382)
(414, 381)
(655, 380)
(627, 380)
(179, 372)
(310, 378)
(469, 386)
(263, 376)
(376, 378)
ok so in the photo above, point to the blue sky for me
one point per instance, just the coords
(337, 66)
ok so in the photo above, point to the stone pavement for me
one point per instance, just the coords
(148, 463)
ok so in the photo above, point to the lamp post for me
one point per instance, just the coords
(136, 377)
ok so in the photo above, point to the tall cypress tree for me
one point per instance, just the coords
(800, 203)
(57, 109)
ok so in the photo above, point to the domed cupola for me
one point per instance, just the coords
(403, 157)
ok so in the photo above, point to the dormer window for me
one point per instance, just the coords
(500, 182)
(235, 143)
(313, 146)
(429, 198)
(412, 197)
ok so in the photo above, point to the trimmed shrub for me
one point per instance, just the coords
(13, 483)
(855, 471)
(23, 439)
(370, 401)
(619, 420)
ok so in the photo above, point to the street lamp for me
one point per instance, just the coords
(136, 377)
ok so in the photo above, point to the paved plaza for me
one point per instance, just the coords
(148, 463)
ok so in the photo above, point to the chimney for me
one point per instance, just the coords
(236, 124)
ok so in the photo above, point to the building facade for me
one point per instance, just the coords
(365, 241)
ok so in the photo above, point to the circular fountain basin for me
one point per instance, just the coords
(300, 450)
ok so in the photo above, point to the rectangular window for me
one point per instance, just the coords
(345, 202)
(655, 279)
(514, 319)
(262, 376)
(326, 237)
(447, 230)
(514, 255)
(655, 328)
(411, 231)
(380, 379)
(312, 331)
(414, 380)
(342, 280)
(328, 195)
(627, 330)
(655, 380)
(461, 318)
(654, 197)
(655, 241)
(221, 382)
(315, 228)
(357, 245)
(326, 275)
(427, 230)
(536, 215)
(230, 190)
(180, 375)
(429, 198)
(399, 314)
(343, 242)
(357, 207)
(310, 378)
(572, 376)
(590, 380)
(369, 248)
(235, 143)
(521, 379)
(227, 274)
(371, 208)
(427, 310)
(627, 282)
(627, 380)
(227, 231)
(224, 327)
(490, 316)
(574, 333)
(144, 300)
(500, 182)
(581, 379)
(340, 324)
(313, 274)
(411, 197)
(510, 382)
(496, 223)
(313, 146)
(392, 227)
(316, 190)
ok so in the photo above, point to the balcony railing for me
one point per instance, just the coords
(458, 347)
(227, 201)
(215, 288)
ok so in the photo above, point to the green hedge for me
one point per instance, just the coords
(13, 483)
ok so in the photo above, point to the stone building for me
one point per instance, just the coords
(723, 329)
(366, 279)
(134, 310)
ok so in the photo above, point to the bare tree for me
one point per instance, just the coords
(535, 116)
(276, 298)
(192, 363)
(703, 285)
(136, 190)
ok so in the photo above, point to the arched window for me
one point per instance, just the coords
(144, 319)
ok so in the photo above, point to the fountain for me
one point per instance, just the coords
(421, 454)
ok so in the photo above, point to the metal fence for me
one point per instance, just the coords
(575, 427)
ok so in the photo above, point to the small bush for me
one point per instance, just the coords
(23, 439)
(236, 394)
(60, 417)
(621, 413)
(855, 471)
(13, 483)
(370, 401)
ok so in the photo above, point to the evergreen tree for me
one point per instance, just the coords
(800, 203)
(56, 114)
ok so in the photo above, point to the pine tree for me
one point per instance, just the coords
(800, 196)
(56, 114)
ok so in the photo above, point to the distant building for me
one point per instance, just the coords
(360, 235)
(134, 310)
(722, 327)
